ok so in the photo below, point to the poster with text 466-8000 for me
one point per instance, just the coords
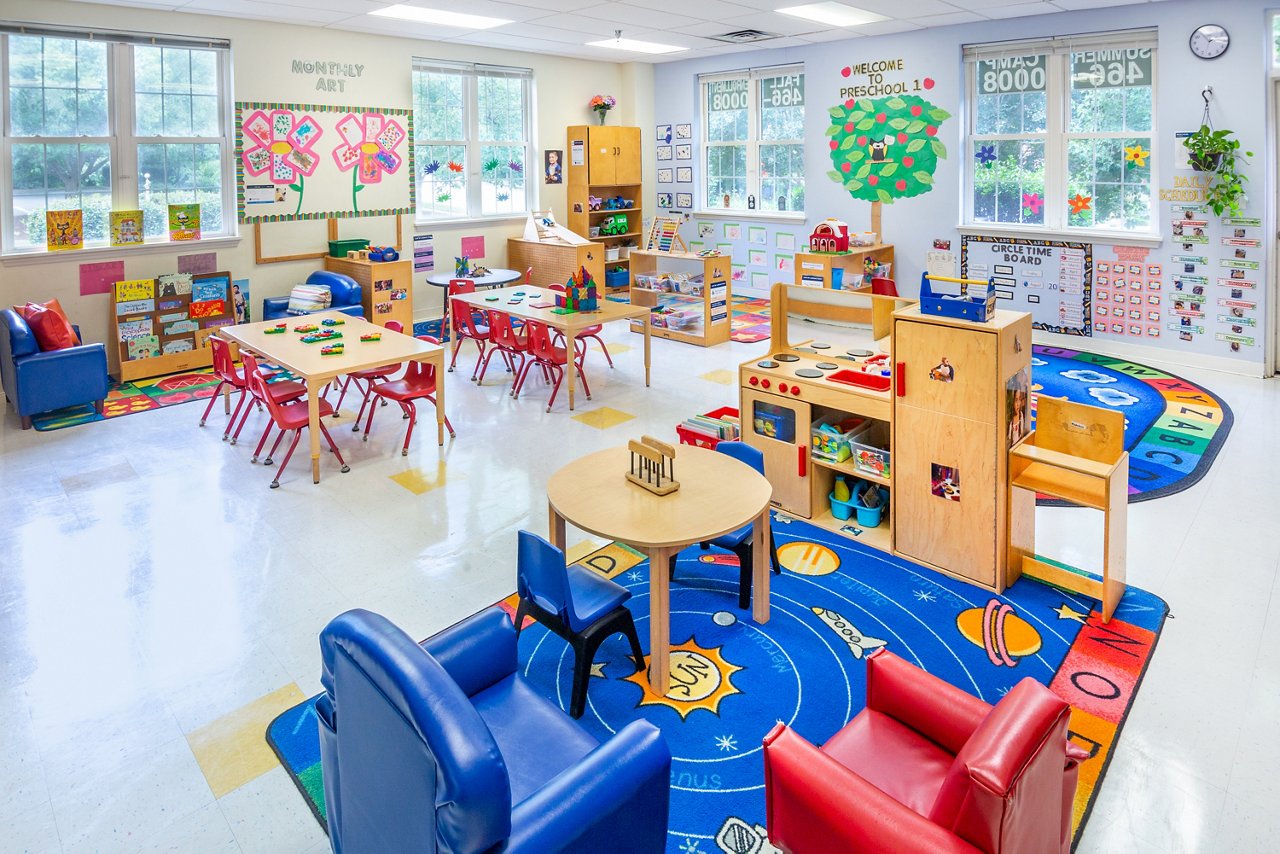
(1050, 279)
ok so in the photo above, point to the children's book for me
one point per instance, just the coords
(184, 222)
(144, 347)
(126, 228)
(64, 230)
(135, 289)
(175, 284)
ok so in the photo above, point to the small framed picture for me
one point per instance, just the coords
(684, 152)
(664, 176)
(684, 131)
(684, 174)
(663, 134)
(664, 200)
(664, 152)
(684, 200)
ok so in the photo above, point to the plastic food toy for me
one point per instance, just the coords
(332, 321)
(276, 330)
(371, 336)
(306, 327)
(331, 350)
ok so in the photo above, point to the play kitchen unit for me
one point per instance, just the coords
(921, 433)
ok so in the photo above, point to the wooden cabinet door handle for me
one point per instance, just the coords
(802, 461)
(900, 377)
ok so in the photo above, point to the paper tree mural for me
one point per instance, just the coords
(369, 140)
(886, 148)
(281, 143)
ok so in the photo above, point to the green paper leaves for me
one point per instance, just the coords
(886, 148)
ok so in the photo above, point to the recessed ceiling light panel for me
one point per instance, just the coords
(832, 14)
(423, 15)
(636, 46)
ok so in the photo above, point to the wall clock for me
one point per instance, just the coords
(1209, 41)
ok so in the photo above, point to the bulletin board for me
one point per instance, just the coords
(1050, 279)
(310, 161)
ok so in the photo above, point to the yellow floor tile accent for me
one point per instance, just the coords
(724, 377)
(604, 418)
(578, 551)
(419, 481)
(233, 750)
(614, 349)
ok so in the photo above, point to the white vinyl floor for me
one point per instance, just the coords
(153, 591)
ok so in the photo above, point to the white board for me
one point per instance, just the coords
(310, 161)
(1050, 279)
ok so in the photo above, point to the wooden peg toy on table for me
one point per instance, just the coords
(653, 465)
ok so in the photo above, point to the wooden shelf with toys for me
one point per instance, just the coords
(161, 326)
(839, 260)
(604, 185)
(386, 287)
(693, 308)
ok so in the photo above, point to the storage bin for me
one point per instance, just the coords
(615, 279)
(611, 253)
(835, 447)
(869, 452)
(870, 517)
(842, 510)
(689, 437)
(340, 248)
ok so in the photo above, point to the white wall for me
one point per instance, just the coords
(1239, 79)
(262, 54)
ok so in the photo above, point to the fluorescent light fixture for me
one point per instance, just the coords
(636, 46)
(832, 14)
(439, 16)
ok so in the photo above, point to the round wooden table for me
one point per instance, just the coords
(717, 494)
(497, 277)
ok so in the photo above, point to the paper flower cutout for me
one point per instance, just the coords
(1032, 202)
(1136, 154)
(515, 166)
(370, 140)
(1079, 203)
(985, 155)
(280, 142)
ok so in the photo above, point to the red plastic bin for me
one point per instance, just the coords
(688, 437)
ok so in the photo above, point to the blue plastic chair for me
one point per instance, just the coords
(739, 541)
(579, 605)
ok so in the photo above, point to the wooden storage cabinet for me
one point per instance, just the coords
(611, 167)
(554, 263)
(386, 288)
(951, 440)
(813, 269)
(706, 319)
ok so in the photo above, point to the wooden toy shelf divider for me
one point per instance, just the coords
(713, 306)
(199, 356)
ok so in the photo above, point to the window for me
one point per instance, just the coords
(753, 139)
(83, 114)
(1061, 133)
(472, 132)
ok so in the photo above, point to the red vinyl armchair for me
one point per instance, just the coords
(927, 768)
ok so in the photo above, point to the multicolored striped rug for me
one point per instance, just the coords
(837, 601)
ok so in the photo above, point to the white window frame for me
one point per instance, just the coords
(471, 145)
(122, 139)
(753, 76)
(1057, 51)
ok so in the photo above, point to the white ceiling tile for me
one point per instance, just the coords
(1075, 5)
(948, 19)
(350, 7)
(551, 6)
(980, 5)
(633, 16)
(833, 35)
(901, 8)
(265, 11)
(543, 33)
(1021, 10)
(707, 28)
(709, 10)
(884, 28)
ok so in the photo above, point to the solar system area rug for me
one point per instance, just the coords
(142, 395)
(1173, 427)
(835, 603)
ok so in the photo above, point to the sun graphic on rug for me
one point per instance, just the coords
(808, 558)
(699, 680)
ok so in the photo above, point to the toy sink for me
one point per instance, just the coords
(875, 382)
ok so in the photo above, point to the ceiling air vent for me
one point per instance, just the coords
(745, 36)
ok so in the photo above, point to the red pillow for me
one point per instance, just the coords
(52, 329)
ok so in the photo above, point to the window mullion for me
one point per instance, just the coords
(471, 121)
(1055, 154)
(754, 117)
(6, 158)
(124, 142)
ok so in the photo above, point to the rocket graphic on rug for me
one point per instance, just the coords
(849, 633)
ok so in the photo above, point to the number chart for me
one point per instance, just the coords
(1051, 279)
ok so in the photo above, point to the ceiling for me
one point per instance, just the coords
(563, 27)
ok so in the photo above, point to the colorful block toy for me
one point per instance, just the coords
(332, 321)
(317, 337)
(580, 293)
(276, 330)
(371, 336)
(332, 350)
(306, 327)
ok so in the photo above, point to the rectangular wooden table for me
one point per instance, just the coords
(305, 360)
(568, 324)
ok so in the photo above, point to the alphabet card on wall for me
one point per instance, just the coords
(322, 162)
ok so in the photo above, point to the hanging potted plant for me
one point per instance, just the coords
(1217, 153)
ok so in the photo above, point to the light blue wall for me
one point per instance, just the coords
(1239, 79)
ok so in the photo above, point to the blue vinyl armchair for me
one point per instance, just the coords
(445, 747)
(35, 381)
(346, 292)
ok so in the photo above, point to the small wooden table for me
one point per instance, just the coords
(569, 325)
(316, 370)
(717, 494)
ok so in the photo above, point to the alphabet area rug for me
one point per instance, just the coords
(836, 601)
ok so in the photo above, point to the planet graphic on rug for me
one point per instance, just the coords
(1004, 635)
(808, 558)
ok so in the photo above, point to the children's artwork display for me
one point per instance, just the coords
(309, 161)
(126, 228)
(184, 222)
(1050, 279)
(64, 230)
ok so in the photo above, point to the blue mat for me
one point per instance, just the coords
(836, 602)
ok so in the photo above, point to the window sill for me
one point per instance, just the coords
(502, 219)
(1118, 238)
(775, 216)
(17, 258)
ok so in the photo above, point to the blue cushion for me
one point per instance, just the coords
(22, 341)
(536, 739)
(732, 539)
(593, 596)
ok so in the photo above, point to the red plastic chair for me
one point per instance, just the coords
(368, 376)
(280, 392)
(289, 416)
(503, 339)
(528, 276)
(224, 368)
(418, 383)
(464, 324)
(549, 356)
(588, 332)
